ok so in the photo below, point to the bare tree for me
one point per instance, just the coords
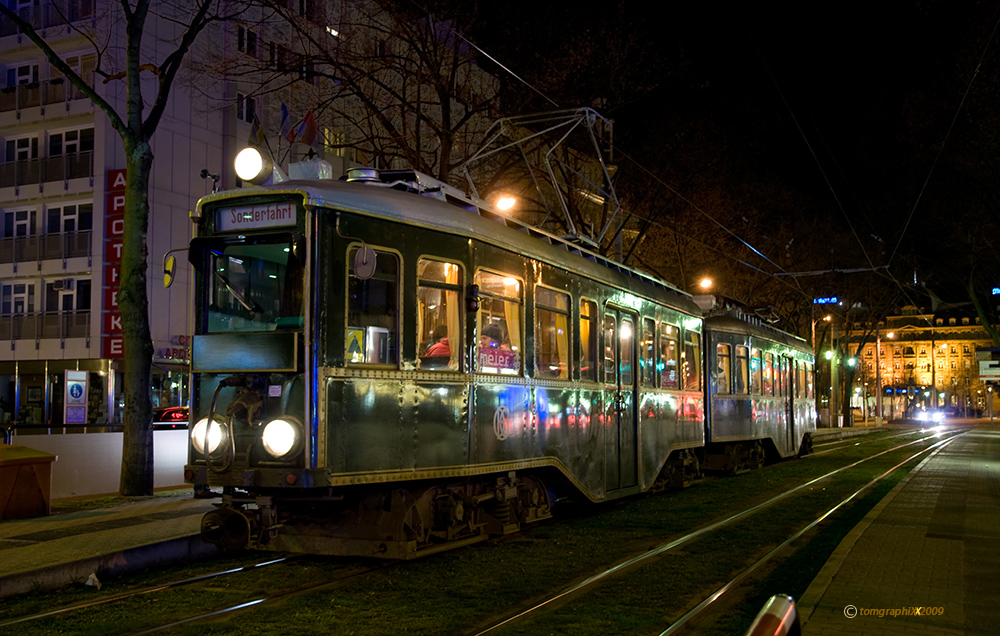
(388, 84)
(135, 121)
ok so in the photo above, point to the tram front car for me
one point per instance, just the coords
(250, 394)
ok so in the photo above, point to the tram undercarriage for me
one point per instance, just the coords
(398, 523)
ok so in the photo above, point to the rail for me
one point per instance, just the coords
(50, 14)
(39, 247)
(46, 325)
(75, 165)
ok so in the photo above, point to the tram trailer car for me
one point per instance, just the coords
(383, 374)
(761, 400)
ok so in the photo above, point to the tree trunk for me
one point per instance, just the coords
(137, 446)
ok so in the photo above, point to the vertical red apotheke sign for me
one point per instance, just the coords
(114, 234)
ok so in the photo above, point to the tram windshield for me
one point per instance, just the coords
(251, 284)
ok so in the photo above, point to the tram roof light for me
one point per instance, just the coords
(256, 167)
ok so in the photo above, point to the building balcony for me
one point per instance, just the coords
(47, 325)
(21, 250)
(79, 165)
(50, 14)
(39, 94)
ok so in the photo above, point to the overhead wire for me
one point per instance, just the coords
(687, 201)
(805, 139)
(944, 141)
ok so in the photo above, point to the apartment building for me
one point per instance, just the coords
(62, 170)
(61, 202)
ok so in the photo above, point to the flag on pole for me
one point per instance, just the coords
(286, 124)
(310, 134)
(256, 132)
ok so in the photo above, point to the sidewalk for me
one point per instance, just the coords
(60, 549)
(926, 559)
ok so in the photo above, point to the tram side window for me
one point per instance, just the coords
(647, 349)
(499, 324)
(800, 379)
(780, 376)
(668, 357)
(439, 315)
(372, 335)
(588, 340)
(755, 372)
(809, 380)
(722, 368)
(692, 361)
(610, 357)
(742, 371)
(551, 333)
(768, 374)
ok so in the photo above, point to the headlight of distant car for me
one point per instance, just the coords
(937, 416)
(216, 435)
(281, 437)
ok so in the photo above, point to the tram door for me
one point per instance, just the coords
(790, 368)
(620, 390)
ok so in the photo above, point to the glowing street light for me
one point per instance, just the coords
(506, 202)
(705, 283)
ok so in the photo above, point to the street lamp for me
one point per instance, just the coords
(505, 202)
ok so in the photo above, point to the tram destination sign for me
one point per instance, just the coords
(248, 217)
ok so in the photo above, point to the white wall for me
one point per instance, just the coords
(90, 463)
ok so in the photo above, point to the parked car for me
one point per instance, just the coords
(170, 417)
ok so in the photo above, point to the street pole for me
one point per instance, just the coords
(878, 376)
(834, 384)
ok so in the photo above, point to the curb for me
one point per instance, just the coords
(107, 565)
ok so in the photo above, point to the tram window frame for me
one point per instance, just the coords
(783, 383)
(723, 368)
(647, 351)
(691, 351)
(756, 370)
(392, 296)
(810, 391)
(489, 356)
(589, 339)
(609, 329)
(552, 307)
(768, 372)
(669, 356)
(741, 377)
(449, 289)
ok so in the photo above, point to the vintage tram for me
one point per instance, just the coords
(384, 366)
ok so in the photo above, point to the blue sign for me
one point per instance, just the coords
(996, 291)
(828, 300)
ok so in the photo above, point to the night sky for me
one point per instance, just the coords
(842, 109)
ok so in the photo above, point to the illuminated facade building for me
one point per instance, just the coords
(923, 354)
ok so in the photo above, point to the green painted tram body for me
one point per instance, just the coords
(597, 386)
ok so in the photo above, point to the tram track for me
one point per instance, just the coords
(581, 588)
(124, 598)
(709, 601)
(238, 610)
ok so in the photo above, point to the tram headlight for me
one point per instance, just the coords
(281, 438)
(216, 435)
